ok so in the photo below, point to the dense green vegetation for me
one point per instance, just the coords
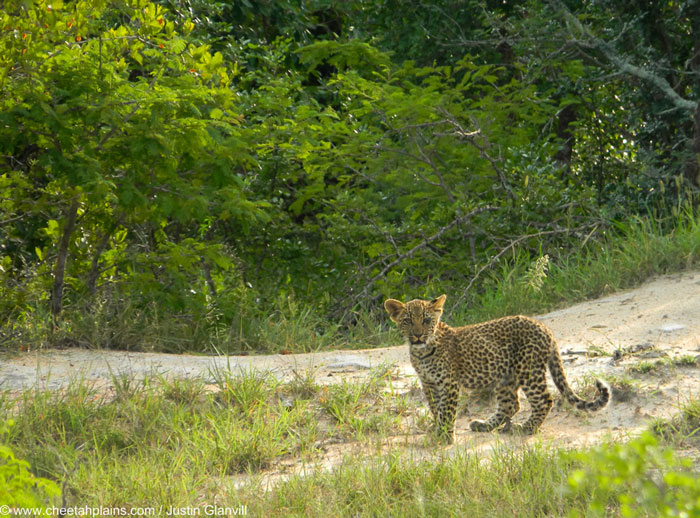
(19, 487)
(205, 175)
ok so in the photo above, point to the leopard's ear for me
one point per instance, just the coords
(437, 303)
(393, 307)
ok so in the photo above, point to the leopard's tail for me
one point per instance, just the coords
(556, 369)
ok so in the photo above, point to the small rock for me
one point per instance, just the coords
(670, 328)
(643, 347)
(348, 363)
(286, 402)
(654, 354)
(574, 352)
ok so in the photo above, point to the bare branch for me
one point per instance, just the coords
(408, 254)
(470, 136)
(509, 247)
(10, 220)
(436, 172)
(623, 65)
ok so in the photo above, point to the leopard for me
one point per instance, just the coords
(499, 356)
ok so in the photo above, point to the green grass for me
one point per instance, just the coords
(686, 361)
(638, 250)
(188, 443)
(647, 366)
(520, 282)
(531, 483)
(682, 430)
(179, 440)
(662, 365)
(363, 408)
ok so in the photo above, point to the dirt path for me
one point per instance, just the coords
(645, 340)
(663, 313)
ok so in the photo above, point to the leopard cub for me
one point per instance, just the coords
(502, 355)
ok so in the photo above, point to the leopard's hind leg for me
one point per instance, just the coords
(541, 402)
(508, 405)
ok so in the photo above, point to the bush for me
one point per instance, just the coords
(640, 478)
(19, 487)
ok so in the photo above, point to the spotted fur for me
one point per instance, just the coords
(502, 355)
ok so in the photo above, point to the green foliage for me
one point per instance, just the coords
(191, 175)
(136, 125)
(682, 429)
(640, 478)
(19, 487)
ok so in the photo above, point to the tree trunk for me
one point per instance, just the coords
(60, 269)
(565, 121)
(692, 168)
(94, 272)
(207, 276)
(691, 171)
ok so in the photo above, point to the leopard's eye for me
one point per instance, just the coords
(427, 320)
(407, 321)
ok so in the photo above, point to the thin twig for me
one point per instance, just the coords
(10, 220)
(507, 248)
(625, 66)
(408, 254)
(470, 136)
(128, 117)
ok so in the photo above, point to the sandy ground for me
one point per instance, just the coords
(609, 336)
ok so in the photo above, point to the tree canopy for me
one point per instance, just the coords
(181, 171)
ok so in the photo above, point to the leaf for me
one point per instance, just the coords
(52, 229)
(120, 235)
(136, 56)
(48, 109)
(177, 45)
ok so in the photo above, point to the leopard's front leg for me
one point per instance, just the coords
(429, 391)
(445, 400)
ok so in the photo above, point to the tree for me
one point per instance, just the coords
(111, 120)
(667, 37)
(195, 166)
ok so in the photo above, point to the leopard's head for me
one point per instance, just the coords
(417, 319)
